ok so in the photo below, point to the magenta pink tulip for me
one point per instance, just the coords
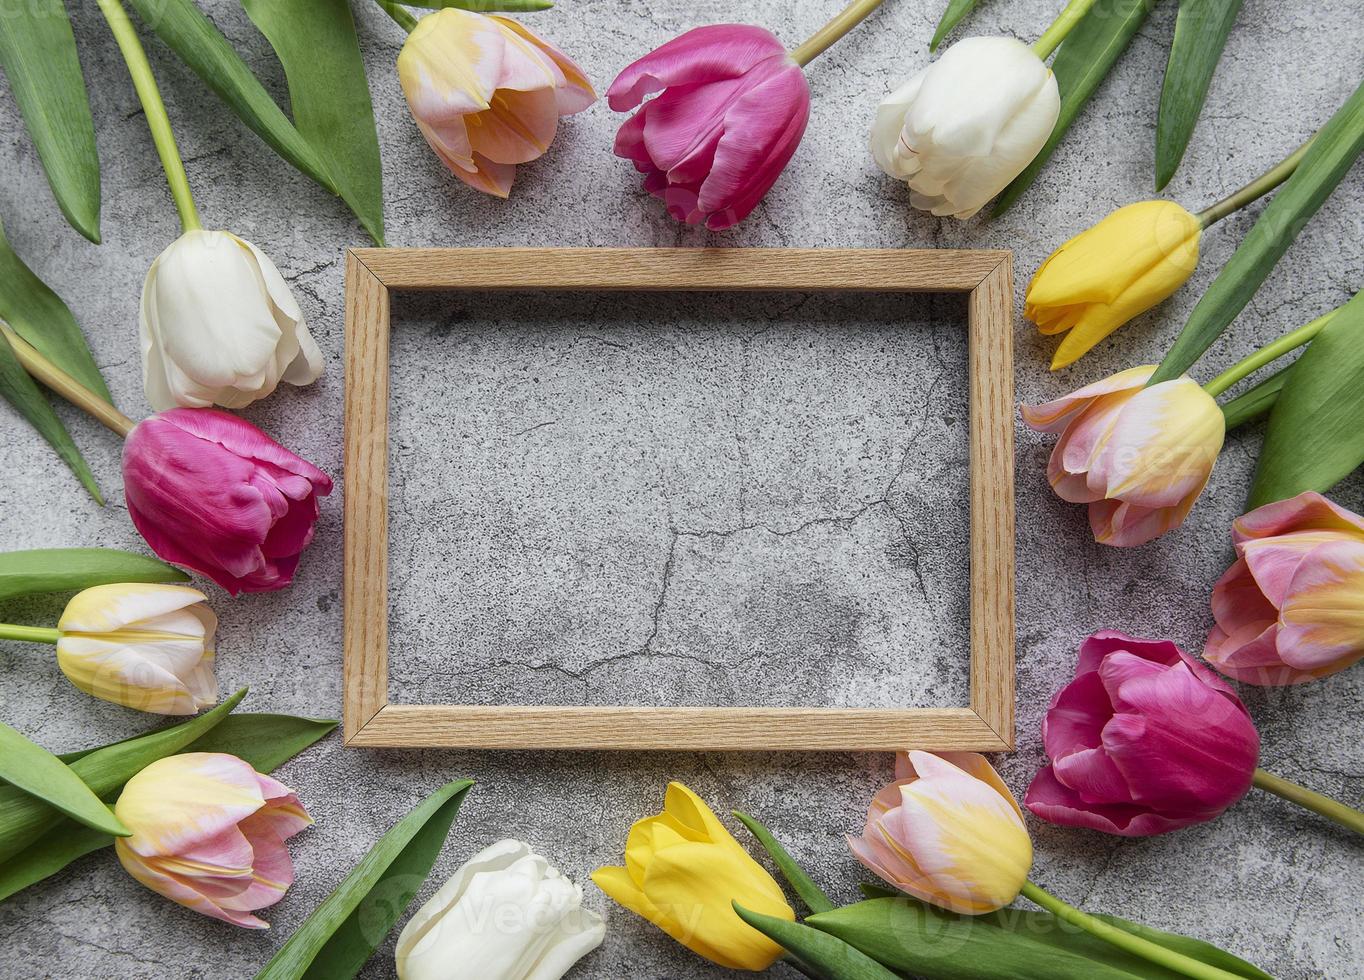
(1144, 740)
(732, 111)
(1291, 608)
(214, 493)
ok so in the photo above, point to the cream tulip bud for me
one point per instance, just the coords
(220, 326)
(505, 915)
(959, 131)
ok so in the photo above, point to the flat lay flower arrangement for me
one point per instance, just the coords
(1143, 736)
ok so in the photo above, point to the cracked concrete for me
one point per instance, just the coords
(702, 498)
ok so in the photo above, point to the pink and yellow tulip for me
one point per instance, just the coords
(209, 833)
(1138, 456)
(1291, 607)
(948, 832)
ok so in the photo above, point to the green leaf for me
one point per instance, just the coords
(822, 951)
(913, 937)
(24, 819)
(73, 569)
(1081, 63)
(485, 6)
(264, 741)
(951, 17)
(36, 771)
(38, 53)
(341, 934)
(1195, 948)
(802, 884)
(1332, 153)
(1315, 438)
(1201, 31)
(1255, 403)
(316, 43)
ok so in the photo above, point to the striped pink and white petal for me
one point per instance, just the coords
(1054, 416)
(1322, 617)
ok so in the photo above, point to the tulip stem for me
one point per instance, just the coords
(824, 38)
(1269, 352)
(1346, 816)
(401, 15)
(1168, 958)
(154, 109)
(1063, 24)
(1256, 189)
(63, 384)
(29, 634)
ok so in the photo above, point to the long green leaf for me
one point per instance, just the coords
(24, 819)
(822, 951)
(38, 53)
(1315, 436)
(802, 884)
(331, 945)
(73, 569)
(1081, 63)
(951, 17)
(28, 766)
(316, 43)
(1256, 403)
(1201, 30)
(1334, 150)
(264, 741)
(1194, 948)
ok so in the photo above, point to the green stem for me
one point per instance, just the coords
(63, 384)
(155, 110)
(1269, 352)
(1331, 809)
(1060, 27)
(1255, 404)
(824, 38)
(29, 634)
(1256, 189)
(1168, 958)
(401, 16)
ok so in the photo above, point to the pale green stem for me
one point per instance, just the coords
(1346, 816)
(1168, 958)
(401, 15)
(29, 634)
(1060, 27)
(63, 384)
(824, 38)
(1256, 189)
(154, 109)
(1269, 352)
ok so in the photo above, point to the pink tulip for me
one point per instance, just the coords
(209, 833)
(732, 111)
(212, 492)
(1144, 740)
(1138, 456)
(1291, 608)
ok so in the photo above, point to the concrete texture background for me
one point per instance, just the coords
(747, 502)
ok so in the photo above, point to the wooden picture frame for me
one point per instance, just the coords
(371, 720)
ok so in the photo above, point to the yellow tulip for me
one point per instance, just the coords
(683, 870)
(1110, 273)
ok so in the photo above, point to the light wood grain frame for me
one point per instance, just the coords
(371, 720)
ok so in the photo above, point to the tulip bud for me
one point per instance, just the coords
(212, 492)
(1138, 456)
(1144, 740)
(732, 109)
(220, 326)
(959, 131)
(1291, 608)
(148, 647)
(683, 872)
(209, 833)
(504, 915)
(1110, 273)
(948, 832)
(487, 93)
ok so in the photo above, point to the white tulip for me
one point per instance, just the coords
(220, 326)
(505, 915)
(966, 125)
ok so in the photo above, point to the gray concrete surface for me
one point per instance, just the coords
(756, 502)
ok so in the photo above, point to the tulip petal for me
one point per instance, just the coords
(1054, 416)
(572, 88)
(1096, 648)
(1323, 614)
(1274, 561)
(1251, 655)
(701, 55)
(888, 126)
(1308, 511)
(1238, 601)
(1057, 803)
(1124, 525)
(1077, 716)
